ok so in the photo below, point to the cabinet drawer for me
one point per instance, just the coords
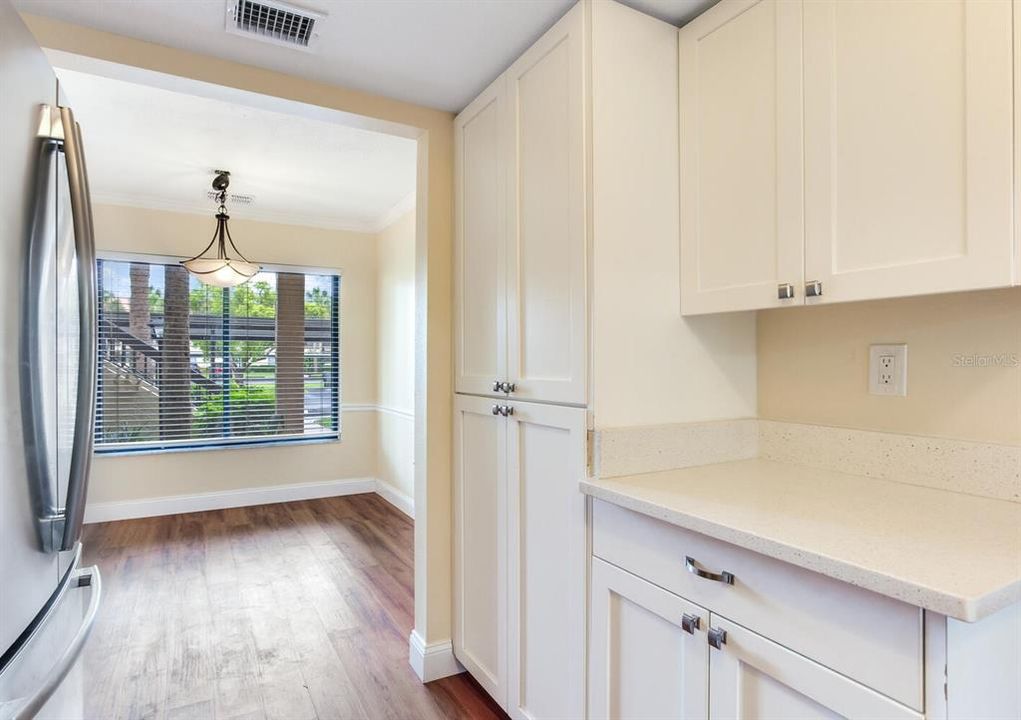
(871, 638)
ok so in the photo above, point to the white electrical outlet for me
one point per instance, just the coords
(888, 370)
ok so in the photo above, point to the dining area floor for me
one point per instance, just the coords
(296, 611)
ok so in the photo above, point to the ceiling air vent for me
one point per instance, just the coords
(274, 22)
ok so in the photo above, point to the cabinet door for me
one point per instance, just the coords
(547, 323)
(741, 159)
(908, 147)
(643, 663)
(480, 244)
(752, 677)
(480, 546)
(547, 551)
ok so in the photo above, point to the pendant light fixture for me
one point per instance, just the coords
(220, 269)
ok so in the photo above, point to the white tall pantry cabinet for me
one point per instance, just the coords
(526, 223)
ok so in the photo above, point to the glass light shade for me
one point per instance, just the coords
(221, 272)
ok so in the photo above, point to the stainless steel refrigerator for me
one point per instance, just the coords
(48, 602)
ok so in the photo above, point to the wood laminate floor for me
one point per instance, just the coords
(295, 611)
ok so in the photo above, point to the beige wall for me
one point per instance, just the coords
(136, 230)
(395, 353)
(433, 269)
(813, 365)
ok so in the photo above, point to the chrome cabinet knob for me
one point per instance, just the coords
(507, 411)
(690, 623)
(717, 637)
(507, 387)
(785, 291)
(497, 410)
(727, 578)
(497, 386)
(813, 288)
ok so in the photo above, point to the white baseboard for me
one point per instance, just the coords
(433, 661)
(396, 498)
(175, 504)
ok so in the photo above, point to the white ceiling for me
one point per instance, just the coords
(438, 53)
(152, 147)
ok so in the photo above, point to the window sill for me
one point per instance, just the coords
(246, 445)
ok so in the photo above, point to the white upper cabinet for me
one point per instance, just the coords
(741, 164)
(521, 233)
(480, 244)
(908, 147)
(547, 322)
(888, 173)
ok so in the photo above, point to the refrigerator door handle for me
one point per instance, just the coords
(85, 245)
(49, 515)
(85, 577)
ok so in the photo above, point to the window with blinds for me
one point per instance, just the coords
(185, 365)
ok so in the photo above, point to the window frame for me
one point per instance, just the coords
(176, 446)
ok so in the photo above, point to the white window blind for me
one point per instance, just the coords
(183, 364)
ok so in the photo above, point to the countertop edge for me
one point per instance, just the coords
(967, 609)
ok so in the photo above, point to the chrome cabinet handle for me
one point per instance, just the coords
(85, 245)
(497, 385)
(723, 576)
(784, 291)
(507, 387)
(497, 410)
(690, 623)
(717, 637)
(813, 288)
(507, 411)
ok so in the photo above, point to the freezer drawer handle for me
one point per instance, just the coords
(85, 577)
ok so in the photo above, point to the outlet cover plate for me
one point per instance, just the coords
(888, 370)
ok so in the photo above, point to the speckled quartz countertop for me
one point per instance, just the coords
(959, 555)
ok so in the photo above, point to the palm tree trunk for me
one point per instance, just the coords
(290, 336)
(138, 311)
(175, 371)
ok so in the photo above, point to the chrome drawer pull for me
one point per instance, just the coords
(690, 623)
(717, 638)
(724, 577)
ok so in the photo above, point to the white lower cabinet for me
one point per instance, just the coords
(480, 566)
(546, 543)
(685, 626)
(520, 553)
(649, 658)
(753, 678)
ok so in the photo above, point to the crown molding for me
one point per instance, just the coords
(404, 205)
